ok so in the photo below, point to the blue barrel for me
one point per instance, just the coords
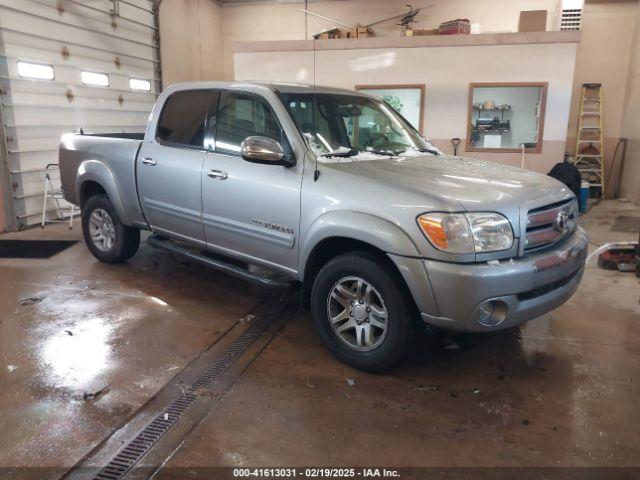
(584, 196)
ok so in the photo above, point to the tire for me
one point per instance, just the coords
(123, 241)
(363, 342)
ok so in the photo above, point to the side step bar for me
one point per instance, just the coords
(260, 278)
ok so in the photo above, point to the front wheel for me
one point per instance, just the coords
(107, 238)
(361, 312)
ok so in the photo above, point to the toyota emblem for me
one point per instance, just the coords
(561, 223)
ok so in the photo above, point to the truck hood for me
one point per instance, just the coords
(473, 184)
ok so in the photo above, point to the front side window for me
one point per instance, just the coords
(184, 116)
(347, 124)
(241, 116)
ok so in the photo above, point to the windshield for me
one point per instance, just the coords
(345, 125)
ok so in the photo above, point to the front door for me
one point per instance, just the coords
(250, 210)
(169, 167)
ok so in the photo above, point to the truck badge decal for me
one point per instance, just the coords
(273, 226)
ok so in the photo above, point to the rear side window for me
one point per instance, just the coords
(241, 116)
(184, 117)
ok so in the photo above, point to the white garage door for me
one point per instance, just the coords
(66, 65)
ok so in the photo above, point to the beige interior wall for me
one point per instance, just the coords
(198, 38)
(286, 22)
(447, 83)
(603, 57)
(630, 185)
(191, 41)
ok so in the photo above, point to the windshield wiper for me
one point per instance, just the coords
(381, 152)
(354, 151)
(428, 150)
(346, 153)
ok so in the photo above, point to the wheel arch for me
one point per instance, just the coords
(338, 231)
(89, 189)
(95, 178)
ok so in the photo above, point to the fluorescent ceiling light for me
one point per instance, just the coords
(139, 84)
(35, 70)
(94, 78)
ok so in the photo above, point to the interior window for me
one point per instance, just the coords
(183, 117)
(506, 117)
(241, 116)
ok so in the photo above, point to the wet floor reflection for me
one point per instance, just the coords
(74, 358)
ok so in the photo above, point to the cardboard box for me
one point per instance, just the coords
(533, 21)
(364, 32)
(459, 26)
(328, 34)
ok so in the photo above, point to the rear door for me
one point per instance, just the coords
(250, 210)
(169, 167)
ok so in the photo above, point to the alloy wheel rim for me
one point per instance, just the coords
(101, 230)
(357, 313)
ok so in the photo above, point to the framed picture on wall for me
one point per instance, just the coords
(408, 100)
(505, 117)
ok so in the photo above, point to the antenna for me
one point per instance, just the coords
(316, 172)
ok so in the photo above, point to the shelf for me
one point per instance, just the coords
(491, 109)
(492, 132)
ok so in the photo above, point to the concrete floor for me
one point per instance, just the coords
(130, 327)
(560, 391)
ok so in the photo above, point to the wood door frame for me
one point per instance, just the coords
(541, 116)
(419, 86)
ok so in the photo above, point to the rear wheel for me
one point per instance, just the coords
(361, 312)
(107, 238)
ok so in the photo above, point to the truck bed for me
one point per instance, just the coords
(108, 160)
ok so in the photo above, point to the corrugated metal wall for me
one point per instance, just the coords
(117, 38)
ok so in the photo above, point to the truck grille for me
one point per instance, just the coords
(550, 224)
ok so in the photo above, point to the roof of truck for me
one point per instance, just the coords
(305, 88)
(281, 87)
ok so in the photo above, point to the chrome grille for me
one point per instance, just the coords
(550, 224)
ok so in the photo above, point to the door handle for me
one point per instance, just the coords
(149, 161)
(219, 174)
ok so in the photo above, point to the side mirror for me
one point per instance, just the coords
(260, 149)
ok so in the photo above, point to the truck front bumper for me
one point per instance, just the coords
(459, 296)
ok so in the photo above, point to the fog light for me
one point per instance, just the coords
(485, 311)
(492, 313)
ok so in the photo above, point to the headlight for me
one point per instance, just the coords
(467, 232)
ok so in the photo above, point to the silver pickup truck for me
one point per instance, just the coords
(335, 190)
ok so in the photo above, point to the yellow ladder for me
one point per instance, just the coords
(590, 138)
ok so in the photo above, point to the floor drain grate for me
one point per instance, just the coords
(137, 448)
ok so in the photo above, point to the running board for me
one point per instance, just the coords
(264, 278)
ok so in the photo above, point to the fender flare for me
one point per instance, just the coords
(376, 231)
(381, 234)
(97, 171)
